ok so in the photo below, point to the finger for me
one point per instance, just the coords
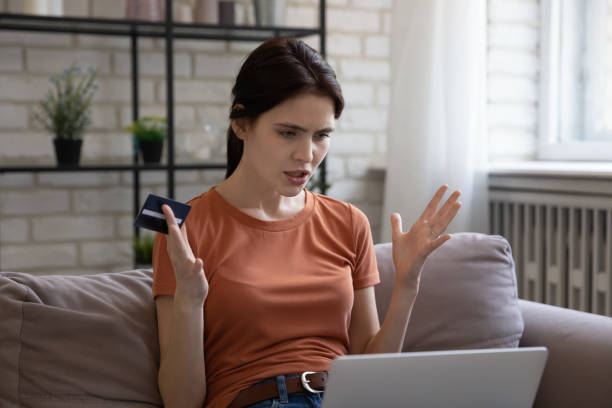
(186, 244)
(431, 208)
(184, 231)
(449, 216)
(447, 212)
(170, 220)
(199, 264)
(168, 213)
(396, 226)
(446, 207)
(449, 202)
(438, 242)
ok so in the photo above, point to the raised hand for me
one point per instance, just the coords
(411, 249)
(191, 282)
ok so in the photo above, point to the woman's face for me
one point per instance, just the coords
(284, 145)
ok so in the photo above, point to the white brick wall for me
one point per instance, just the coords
(358, 45)
(80, 179)
(13, 230)
(218, 66)
(98, 254)
(344, 45)
(114, 200)
(151, 64)
(366, 70)
(352, 21)
(377, 46)
(38, 257)
(13, 116)
(33, 202)
(72, 227)
(50, 61)
(11, 59)
(21, 180)
(82, 222)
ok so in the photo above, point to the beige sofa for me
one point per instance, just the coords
(90, 341)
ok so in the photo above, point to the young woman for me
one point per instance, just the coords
(266, 280)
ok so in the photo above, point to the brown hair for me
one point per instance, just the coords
(275, 71)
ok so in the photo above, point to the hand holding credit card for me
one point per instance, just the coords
(151, 215)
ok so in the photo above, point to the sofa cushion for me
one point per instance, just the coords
(78, 341)
(467, 297)
(11, 297)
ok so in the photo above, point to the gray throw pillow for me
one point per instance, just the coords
(467, 297)
(78, 341)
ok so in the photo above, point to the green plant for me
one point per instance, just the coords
(66, 108)
(148, 128)
(143, 249)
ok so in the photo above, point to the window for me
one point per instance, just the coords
(576, 80)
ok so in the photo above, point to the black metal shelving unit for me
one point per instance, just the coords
(170, 31)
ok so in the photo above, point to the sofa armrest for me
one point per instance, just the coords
(578, 372)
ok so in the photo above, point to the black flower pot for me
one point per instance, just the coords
(68, 151)
(151, 150)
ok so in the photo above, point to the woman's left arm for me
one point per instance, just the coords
(410, 250)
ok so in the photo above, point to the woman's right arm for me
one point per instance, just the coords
(180, 319)
(182, 379)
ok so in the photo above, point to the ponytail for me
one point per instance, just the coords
(235, 147)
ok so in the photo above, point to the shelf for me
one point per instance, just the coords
(133, 29)
(113, 167)
(117, 27)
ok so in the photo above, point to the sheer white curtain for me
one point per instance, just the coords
(437, 115)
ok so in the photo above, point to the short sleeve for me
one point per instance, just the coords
(164, 282)
(365, 271)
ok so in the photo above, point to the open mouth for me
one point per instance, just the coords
(297, 173)
(297, 177)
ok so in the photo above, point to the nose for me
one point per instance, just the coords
(304, 150)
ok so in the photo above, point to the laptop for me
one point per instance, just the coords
(503, 377)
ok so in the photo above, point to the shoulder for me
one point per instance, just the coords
(201, 212)
(331, 206)
(201, 199)
(201, 204)
(344, 211)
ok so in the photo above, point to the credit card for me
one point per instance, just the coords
(151, 216)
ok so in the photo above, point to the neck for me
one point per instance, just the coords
(249, 195)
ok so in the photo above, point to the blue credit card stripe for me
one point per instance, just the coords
(155, 214)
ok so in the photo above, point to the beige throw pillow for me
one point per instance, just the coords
(467, 297)
(78, 341)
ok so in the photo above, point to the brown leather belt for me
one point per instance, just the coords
(259, 392)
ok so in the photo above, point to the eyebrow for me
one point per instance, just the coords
(301, 129)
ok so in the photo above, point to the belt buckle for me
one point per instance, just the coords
(305, 382)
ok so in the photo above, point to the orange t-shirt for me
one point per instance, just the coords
(280, 292)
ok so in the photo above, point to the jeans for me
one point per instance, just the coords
(303, 399)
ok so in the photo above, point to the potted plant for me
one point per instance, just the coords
(149, 133)
(143, 250)
(66, 111)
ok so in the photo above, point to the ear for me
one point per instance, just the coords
(240, 125)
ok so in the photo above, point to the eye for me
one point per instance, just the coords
(287, 133)
(322, 135)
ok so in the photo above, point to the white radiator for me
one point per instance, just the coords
(560, 231)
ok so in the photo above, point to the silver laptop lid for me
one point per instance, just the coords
(462, 378)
